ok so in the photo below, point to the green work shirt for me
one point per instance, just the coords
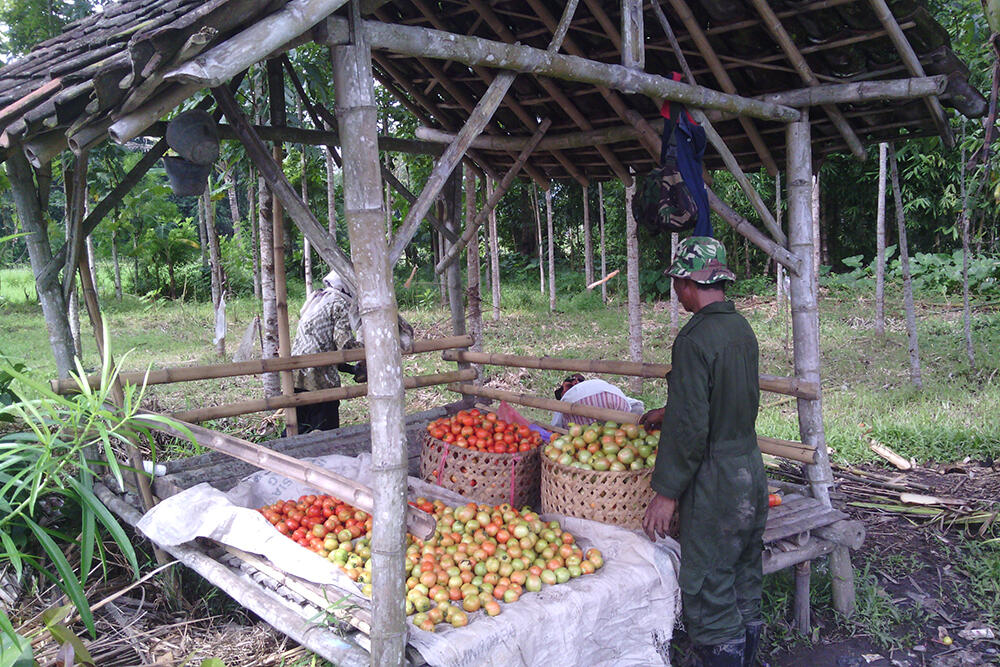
(708, 457)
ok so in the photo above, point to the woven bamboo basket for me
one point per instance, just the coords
(618, 498)
(486, 477)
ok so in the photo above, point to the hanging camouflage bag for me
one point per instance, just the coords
(663, 202)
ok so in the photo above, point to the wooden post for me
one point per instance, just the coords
(815, 228)
(494, 243)
(904, 263)
(276, 91)
(604, 258)
(880, 244)
(966, 312)
(215, 264)
(633, 36)
(538, 226)
(377, 302)
(588, 260)
(634, 298)
(805, 331)
(552, 258)
(50, 293)
(802, 611)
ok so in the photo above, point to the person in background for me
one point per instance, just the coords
(594, 393)
(708, 465)
(325, 324)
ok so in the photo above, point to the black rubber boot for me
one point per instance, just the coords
(730, 654)
(752, 641)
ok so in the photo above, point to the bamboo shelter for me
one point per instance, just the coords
(523, 89)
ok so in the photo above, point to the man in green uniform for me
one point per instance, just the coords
(708, 463)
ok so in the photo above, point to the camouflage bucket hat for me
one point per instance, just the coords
(701, 259)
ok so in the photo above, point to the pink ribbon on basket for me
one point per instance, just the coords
(444, 457)
(513, 466)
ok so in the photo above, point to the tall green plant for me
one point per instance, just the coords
(47, 473)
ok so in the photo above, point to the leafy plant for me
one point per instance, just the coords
(46, 499)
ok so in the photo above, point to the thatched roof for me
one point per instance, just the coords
(113, 62)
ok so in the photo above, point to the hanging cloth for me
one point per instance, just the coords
(689, 149)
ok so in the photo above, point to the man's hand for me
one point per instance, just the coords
(652, 420)
(659, 517)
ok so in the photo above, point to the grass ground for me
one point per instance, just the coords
(865, 381)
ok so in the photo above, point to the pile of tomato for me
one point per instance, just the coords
(484, 432)
(319, 523)
(481, 555)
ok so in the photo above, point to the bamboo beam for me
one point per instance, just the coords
(607, 135)
(722, 77)
(272, 173)
(787, 449)
(256, 366)
(602, 414)
(861, 91)
(472, 228)
(744, 228)
(912, 63)
(198, 415)
(474, 51)
(777, 30)
(772, 383)
(452, 155)
(419, 523)
(223, 62)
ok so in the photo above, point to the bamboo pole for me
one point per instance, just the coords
(256, 366)
(472, 229)
(860, 91)
(312, 397)
(632, 282)
(362, 208)
(777, 30)
(583, 139)
(538, 234)
(805, 331)
(773, 383)
(880, 244)
(494, 245)
(474, 51)
(912, 63)
(452, 204)
(276, 94)
(552, 259)
(452, 155)
(473, 270)
(588, 257)
(904, 263)
(602, 414)
(787, 449)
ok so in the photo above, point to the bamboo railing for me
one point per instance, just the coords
(311, 397)
(773, 383)
(795, 451)
(256, 366)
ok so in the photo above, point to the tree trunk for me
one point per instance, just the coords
(538, 225)
(234, 205)
(254, 194)
(634, 301)
(904, 262)
(473, 272)
(215, 259)
(604, 258)
(880, 244)
(815, 230)
(331, 192)
(269, 312)
(966, 311)
(588, 255)
(116, 266)
(675, 314)
(452, 203)
(50, 294)
(202, 232)
(494, 254)
(552, 257)
(370, 252)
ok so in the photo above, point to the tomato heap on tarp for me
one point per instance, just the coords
(322, 524)
(482, 555)
(484, 432)
(608, 446)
